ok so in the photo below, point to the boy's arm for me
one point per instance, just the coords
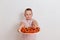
(35, 23)
(20, 26)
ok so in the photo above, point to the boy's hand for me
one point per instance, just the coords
(34, 23)
(21, 25)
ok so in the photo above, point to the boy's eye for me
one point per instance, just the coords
(30, 14)
(26, 14)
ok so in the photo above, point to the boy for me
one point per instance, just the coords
(28, 21)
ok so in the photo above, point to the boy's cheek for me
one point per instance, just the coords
(26, 16)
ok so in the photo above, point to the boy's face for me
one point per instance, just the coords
(28, 14)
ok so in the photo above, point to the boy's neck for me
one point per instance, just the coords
(28, 19)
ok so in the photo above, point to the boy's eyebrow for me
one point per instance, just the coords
(25, 13)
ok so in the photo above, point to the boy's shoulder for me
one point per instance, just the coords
(23, 20)
(34, 19)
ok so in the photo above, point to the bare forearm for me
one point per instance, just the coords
(20, 26)
(34, 23)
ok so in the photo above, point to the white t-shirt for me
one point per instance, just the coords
(27, 23)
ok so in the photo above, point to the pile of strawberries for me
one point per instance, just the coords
(30, 29)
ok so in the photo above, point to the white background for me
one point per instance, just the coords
(47, 13)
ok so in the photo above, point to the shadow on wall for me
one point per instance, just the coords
(13, 34)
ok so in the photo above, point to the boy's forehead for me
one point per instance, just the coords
(28, 12)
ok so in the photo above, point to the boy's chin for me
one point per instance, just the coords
(28, 18)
